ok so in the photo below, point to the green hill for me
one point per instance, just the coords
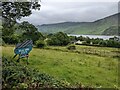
(113, 30)
(96, 27)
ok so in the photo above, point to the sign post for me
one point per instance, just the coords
(23, 49)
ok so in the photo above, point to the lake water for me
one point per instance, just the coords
(94, 36)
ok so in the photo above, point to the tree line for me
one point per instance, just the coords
(111, 42)
(25, 30)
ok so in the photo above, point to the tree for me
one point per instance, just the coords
(88, 40)
(13, 39)
(73, 38)
(103, 43)
(13, 11)
(81, 38)
(30, 32)
(40, 43)
(96, 41)
(59, 39)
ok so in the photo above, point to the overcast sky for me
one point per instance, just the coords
(55, 11)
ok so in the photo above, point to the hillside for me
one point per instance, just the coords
(96, 27)
(113, 30)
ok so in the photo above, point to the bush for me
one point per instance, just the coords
(110, 43)
(103, 43)
(58, 39)
(14, 39)
(71, 47)
(40, 44)
(18, 76)
(2, 42)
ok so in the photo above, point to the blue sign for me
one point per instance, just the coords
(24, 48)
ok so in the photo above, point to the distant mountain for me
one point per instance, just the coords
(98, 27)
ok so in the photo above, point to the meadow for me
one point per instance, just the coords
(88, 65)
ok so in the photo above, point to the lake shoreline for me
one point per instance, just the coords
(105, 37)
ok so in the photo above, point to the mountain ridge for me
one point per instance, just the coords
(95, 27)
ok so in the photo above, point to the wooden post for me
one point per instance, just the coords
(18, 60)
(15, 55)
(27, 58)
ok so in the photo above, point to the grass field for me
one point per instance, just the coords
(98, 67)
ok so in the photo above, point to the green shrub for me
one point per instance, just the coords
(13, 39)
(71, 47)
(16, 75)
(2, 43)
(58, 39)
(40, 44)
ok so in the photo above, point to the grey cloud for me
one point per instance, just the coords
(61, 11)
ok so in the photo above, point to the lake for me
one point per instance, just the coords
(94, 36)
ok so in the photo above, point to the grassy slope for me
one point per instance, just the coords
(97, 27)
(74, 67)
(114, 30)
(53, 28)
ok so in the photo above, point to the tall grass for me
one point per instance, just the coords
(88, 69)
